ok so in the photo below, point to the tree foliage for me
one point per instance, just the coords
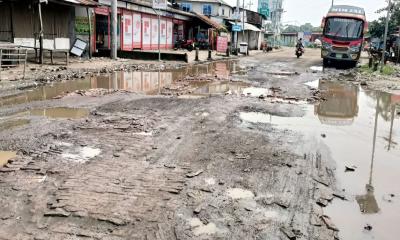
(308, 27)
(377, 27)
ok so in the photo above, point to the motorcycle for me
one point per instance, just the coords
(299, 52)
(184, 44)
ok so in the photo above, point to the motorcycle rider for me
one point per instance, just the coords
(299, 44)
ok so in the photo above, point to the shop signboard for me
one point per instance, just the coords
(160, 4)
(222, 44)
(236, 28)
(263, 7)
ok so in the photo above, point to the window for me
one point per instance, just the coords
(223, 11)
(187, 7)
(207, 9)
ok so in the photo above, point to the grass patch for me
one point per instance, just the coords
(387, 70)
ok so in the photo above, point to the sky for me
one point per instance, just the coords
(298, 12)
(312, 11)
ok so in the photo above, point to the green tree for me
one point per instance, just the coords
(377, 27)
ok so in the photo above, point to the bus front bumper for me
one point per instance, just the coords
(342, 56)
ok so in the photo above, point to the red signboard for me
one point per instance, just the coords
(222, 44)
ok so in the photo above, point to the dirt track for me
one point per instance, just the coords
(161, 167)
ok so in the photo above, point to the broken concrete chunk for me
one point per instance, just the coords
(350, 169)
(368, 227)
(58, 212)
(339, 195)
(322, 202)
(197, 210)
(288, 233)
(329, 224)
(194, 174)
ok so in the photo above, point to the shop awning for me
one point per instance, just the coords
(247, 26)
(84, 3)
(210, 22)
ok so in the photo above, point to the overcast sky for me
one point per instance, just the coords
(298, 12)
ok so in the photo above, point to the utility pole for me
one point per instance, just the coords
(243, 11)
(385, 36)
(235, 35)
(332, 2)
(114, 29)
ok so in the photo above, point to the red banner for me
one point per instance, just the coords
(222, 44)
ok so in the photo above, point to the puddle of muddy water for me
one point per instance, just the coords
(360, 128)
(140, 82)
(61, 112)
(13, 123)
(5, 156)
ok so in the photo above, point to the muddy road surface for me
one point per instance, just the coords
(265, 147)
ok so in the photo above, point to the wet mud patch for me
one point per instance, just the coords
(13, 123)
(61, 112)
(357, 130)
(5, 156)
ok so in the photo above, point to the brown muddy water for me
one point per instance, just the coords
(60, 112)
(139, 82)
(354, 128)
(5, 156)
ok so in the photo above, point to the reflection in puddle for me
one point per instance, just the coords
(10, 124)
(5, 156)
(140, 82)
(61, 112)
(222, 88)
(361, 129)
(256, 92)
(317, 68)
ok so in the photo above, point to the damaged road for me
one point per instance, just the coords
(215, 152)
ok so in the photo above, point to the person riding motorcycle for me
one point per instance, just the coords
(300, 45)
(299, 48)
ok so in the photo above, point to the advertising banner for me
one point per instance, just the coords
(146, 33)
(222, 44)
(160, 4)
(154, 33)
(127, 35)
(137, 30)
(163, 32)
(170, 43)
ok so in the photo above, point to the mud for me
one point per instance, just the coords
(5, 156)
(206, 152)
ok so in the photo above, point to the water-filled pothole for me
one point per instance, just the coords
(5, 156)
(359, 128)
(61, 112)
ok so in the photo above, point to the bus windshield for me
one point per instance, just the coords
(345, 29)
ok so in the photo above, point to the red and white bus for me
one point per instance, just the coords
(343, 34)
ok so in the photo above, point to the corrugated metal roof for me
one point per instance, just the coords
(247, 26)
(207, 1)
(210, 22)
(86, 3)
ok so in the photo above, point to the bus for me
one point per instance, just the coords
(343, 34)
